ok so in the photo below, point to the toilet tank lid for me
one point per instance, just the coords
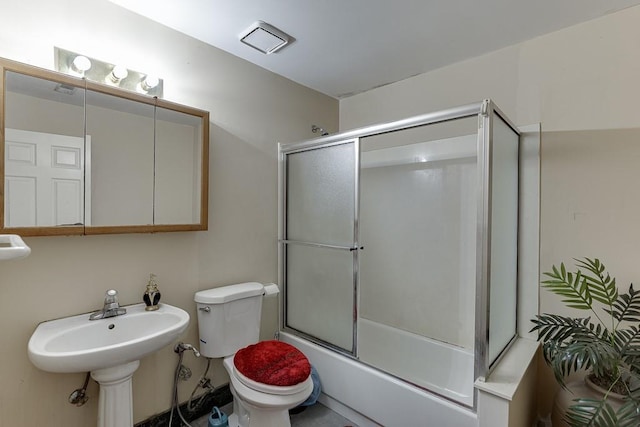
(229, 293)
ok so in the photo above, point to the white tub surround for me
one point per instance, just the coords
(507, 397)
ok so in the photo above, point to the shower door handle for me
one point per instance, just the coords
(321, 245)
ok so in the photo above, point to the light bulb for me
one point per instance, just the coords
(80, 64)
(118, 73)
(149, 82)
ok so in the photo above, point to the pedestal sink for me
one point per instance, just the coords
(109, 348)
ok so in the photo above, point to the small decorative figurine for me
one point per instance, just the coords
(151, 296)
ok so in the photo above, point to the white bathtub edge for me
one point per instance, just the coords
(377, 396)
(353, 416)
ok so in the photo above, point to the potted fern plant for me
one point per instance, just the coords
(606, 347)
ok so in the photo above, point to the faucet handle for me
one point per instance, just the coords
(111, 297)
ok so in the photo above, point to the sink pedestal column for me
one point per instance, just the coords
(115, 407)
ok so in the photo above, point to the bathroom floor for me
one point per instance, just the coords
(317, 415)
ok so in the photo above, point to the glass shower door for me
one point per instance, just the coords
(320, 242)
(432, 300)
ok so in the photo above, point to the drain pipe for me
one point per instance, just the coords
(79, 396)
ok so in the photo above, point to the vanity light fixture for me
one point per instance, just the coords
(265, 37)
(103, 72)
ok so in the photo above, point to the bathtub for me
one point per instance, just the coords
(370, 397)
(442, 368)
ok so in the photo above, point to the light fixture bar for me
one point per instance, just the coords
(103, 72)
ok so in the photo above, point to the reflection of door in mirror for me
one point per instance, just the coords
(44, 153)
(44, 179)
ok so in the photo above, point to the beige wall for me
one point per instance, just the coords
(583, 77)
(251, 110)
(581, 83)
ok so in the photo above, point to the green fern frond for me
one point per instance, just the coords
(600, 413)
(627, 341)
(628, 415)
(591, 413)
(554, 327)
(633, 397)
(564, 360)
(602, 287)
(574, 290)
(627, 306)
(632, 361)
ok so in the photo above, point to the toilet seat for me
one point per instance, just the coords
(270, 389)
(272, 367)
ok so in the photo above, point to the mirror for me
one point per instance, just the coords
(85, 158)
(120, 132)
(178, 151)
(43, 152)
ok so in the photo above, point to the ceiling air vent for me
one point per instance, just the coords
(264, 37)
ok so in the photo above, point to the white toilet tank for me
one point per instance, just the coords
(229, 318)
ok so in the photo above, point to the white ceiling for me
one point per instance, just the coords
(343, 47)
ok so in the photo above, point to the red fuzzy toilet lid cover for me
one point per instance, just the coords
(273, 363)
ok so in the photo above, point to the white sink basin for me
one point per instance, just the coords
(77, 344)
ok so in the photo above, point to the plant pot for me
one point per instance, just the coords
(580, 389)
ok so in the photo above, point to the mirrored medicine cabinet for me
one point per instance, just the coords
(79, 157)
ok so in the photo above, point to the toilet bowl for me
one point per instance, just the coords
(267, 378)
(263, 405)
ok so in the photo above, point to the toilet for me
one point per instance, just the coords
(266, 378)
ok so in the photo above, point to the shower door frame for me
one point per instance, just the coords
(485, 112)
(283, 241)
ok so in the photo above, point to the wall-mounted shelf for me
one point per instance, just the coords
(12, 246)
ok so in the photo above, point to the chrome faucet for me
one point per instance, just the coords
(111, 307)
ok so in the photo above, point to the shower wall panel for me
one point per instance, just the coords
(504, 237)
